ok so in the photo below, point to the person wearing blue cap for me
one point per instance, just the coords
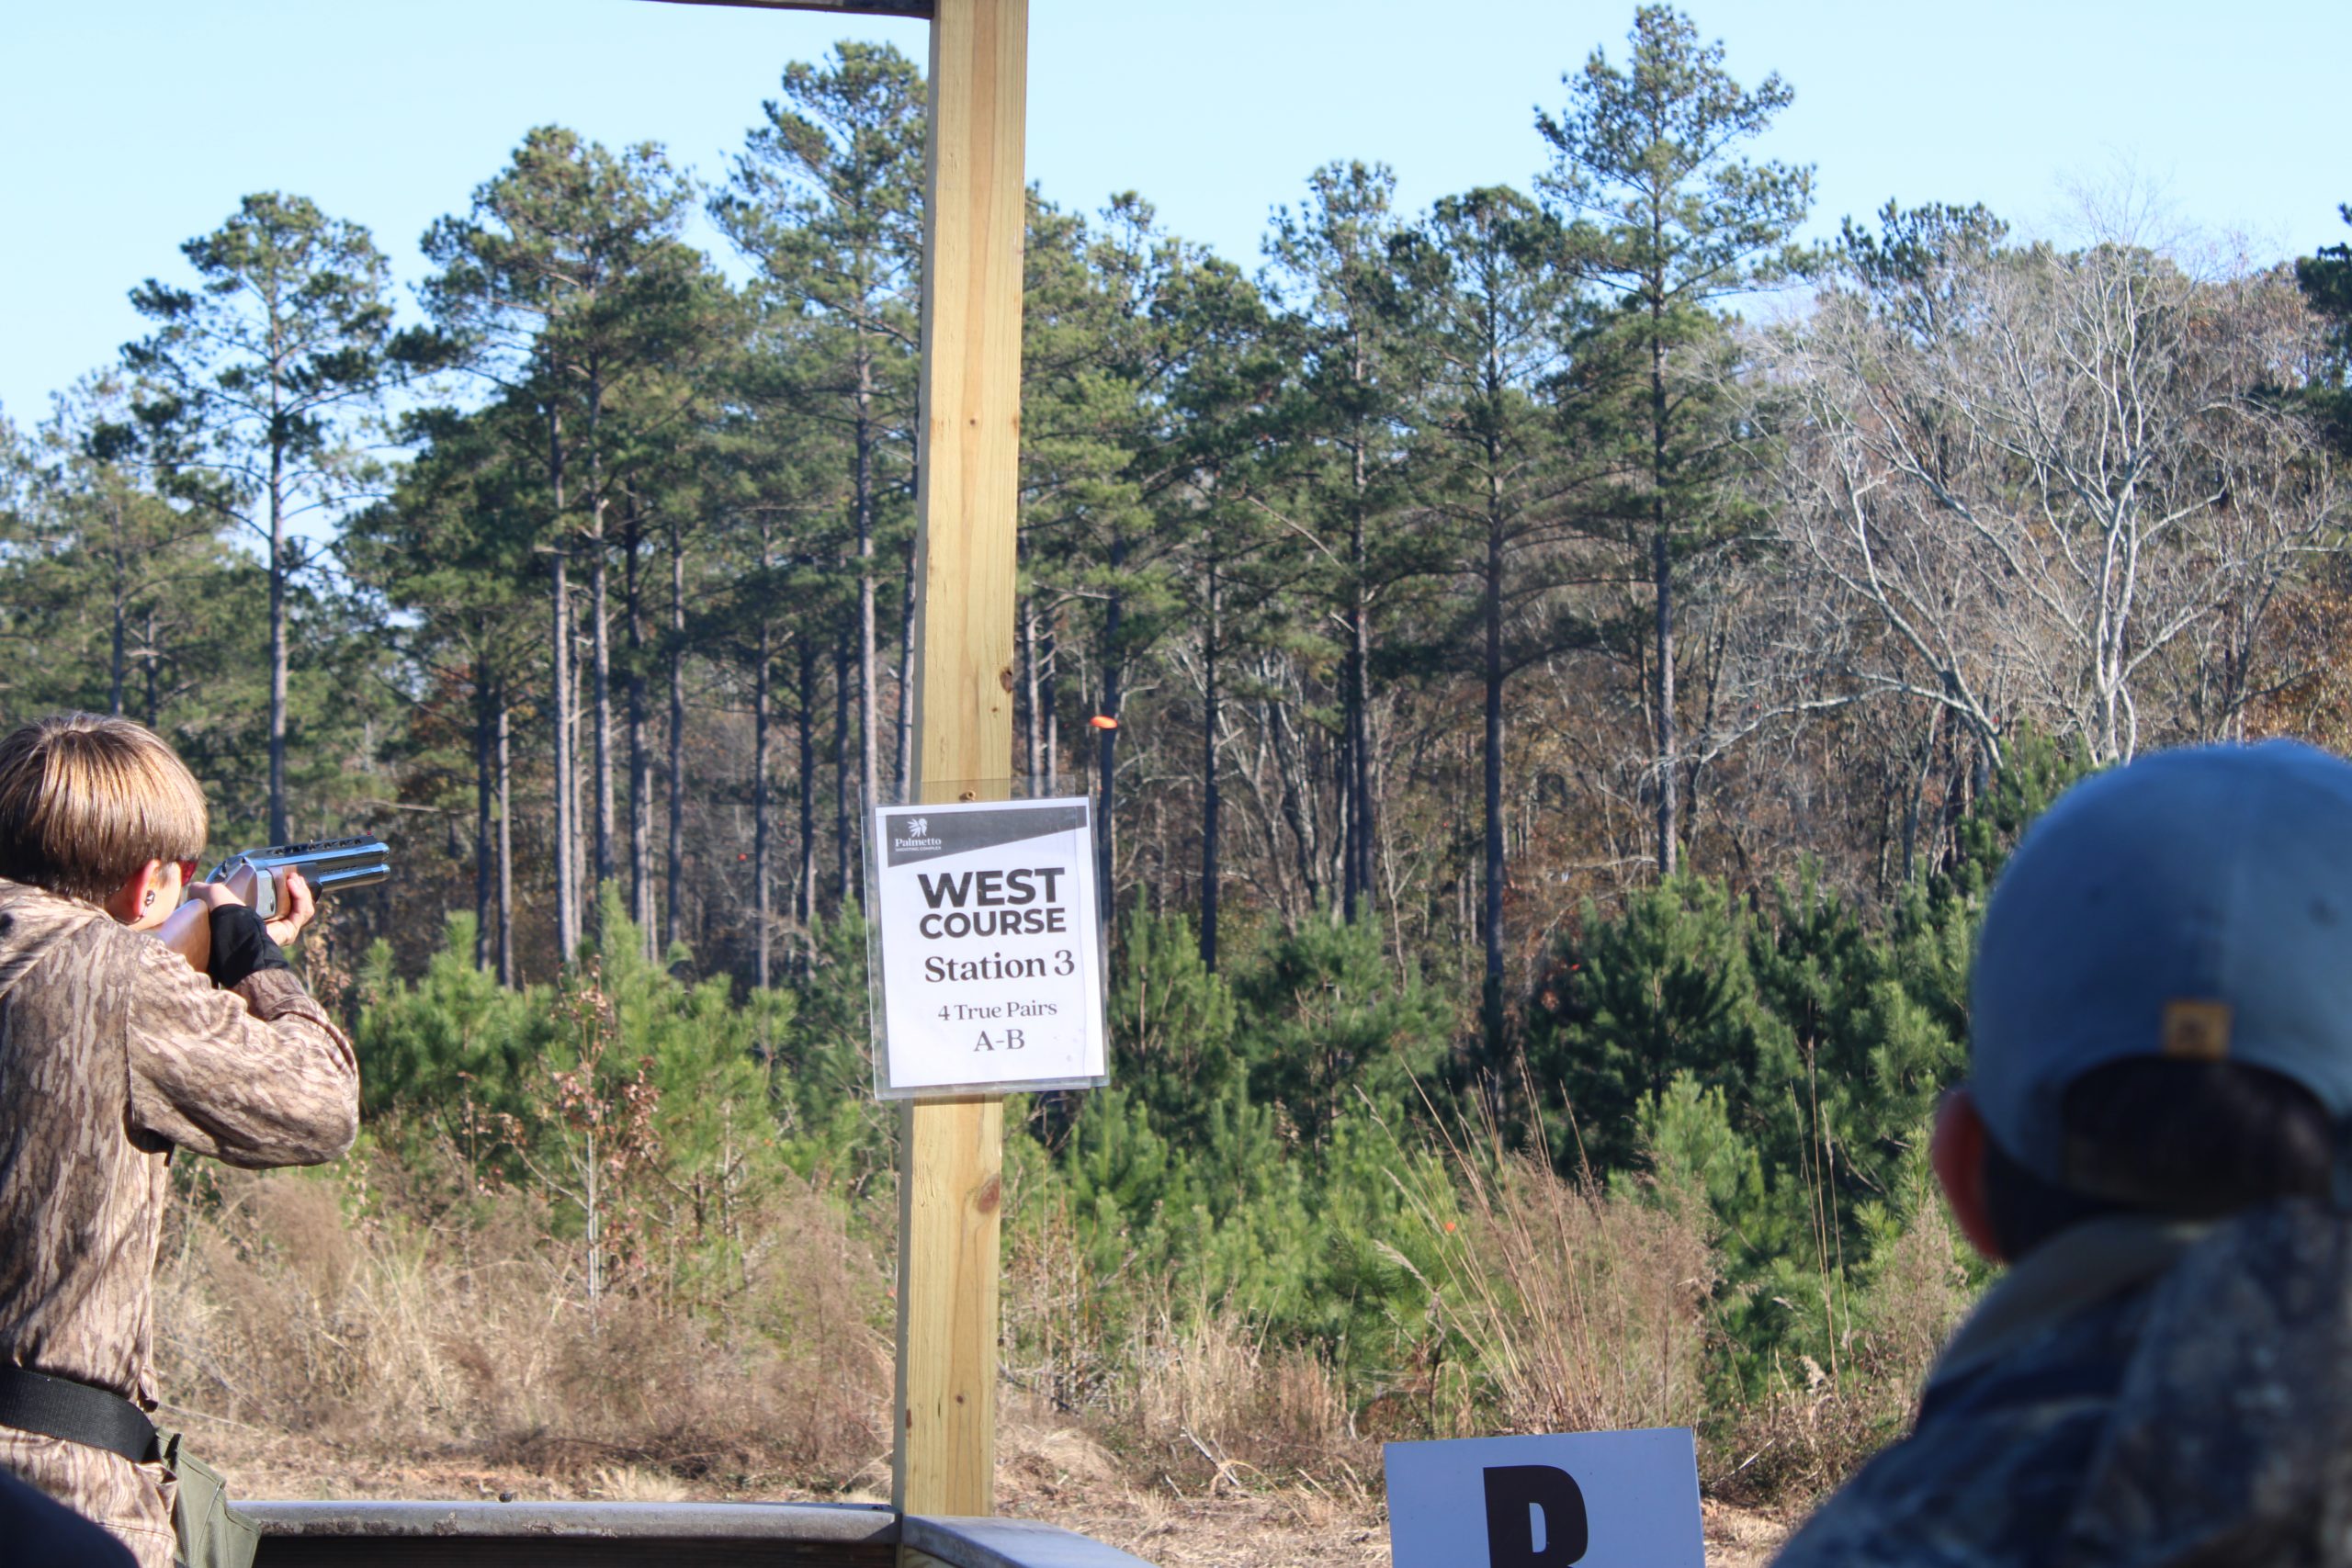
(2154, 1137)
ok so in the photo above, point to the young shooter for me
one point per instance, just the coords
(2157, 1136)
(113, 1054)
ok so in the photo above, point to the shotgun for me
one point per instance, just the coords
(258, 879)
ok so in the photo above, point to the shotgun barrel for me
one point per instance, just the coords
(329, 865)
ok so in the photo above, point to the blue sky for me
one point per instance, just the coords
(131, 124)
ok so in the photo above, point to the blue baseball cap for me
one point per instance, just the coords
(2194, 905)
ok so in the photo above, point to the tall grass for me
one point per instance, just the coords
(1577, 1309)
(398, 1312)
(310, 1305)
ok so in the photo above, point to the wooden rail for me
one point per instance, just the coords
(657, 1535)
(870, 7)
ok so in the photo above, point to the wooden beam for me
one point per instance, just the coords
(951, 1152)
(869, 7)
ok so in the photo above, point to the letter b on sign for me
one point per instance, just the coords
(1526, 1503)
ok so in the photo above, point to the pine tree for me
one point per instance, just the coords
(825, 199)
(260, 376)
(1671, 219)
(103, 540)
(1331, 263)
(1236, 577)
(1118, 314)
(2325, 278)
(450, 551)
(1494, 466)
(566, 281)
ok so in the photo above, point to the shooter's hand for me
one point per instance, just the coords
(211, 895)
(301, 904)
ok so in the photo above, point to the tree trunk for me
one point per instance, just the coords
(567, 827)
(1360, 763)
(1212, 797)
(1292, 768)
(844, 659)
(640, 759)
(279, 833)
(1917, 792)
(1032, 730)
(485, 849)
(867, 736)
(1355, 847)
(906, 722)
(674, 879)
(763, 907)
(804, 720)
(153, 659)
(600, 645)
(119, 643)
(583, 807)
(506, 848)
(1050, 694)
(1662, 580)
(1493, 587)
(1107, 762)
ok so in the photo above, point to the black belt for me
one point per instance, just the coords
(59, 1407)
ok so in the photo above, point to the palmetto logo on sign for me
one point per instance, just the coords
(913, 836)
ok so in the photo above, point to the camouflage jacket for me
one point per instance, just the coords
(2151, 1398)
(113, 1052)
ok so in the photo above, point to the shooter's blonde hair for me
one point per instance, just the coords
(86, 800)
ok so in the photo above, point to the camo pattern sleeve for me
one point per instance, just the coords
(2204, 1420)
(256, 1075)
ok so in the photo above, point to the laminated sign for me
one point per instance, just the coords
(1602, 1499)
(986, 948)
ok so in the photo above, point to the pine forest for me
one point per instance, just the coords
(1556, 671)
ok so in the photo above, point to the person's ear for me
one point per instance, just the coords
(1958, 1152)
(138, 901)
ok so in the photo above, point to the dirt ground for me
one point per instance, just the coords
(1058, 1477)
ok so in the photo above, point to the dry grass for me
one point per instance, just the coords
(1590, 1309)
(1192, 1399)
(289, 1305)
(1217, 1407)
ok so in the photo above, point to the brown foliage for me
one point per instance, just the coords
(1587, 1308)
(295, 1303)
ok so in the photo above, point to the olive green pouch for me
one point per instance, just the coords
(212, 1534)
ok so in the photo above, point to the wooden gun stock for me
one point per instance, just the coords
(187, 930)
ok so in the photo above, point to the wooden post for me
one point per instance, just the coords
(951, 1152)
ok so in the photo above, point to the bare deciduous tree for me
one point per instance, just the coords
(2050, 481)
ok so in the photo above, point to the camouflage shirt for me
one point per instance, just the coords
(113, 1052)
(2153, 1396)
